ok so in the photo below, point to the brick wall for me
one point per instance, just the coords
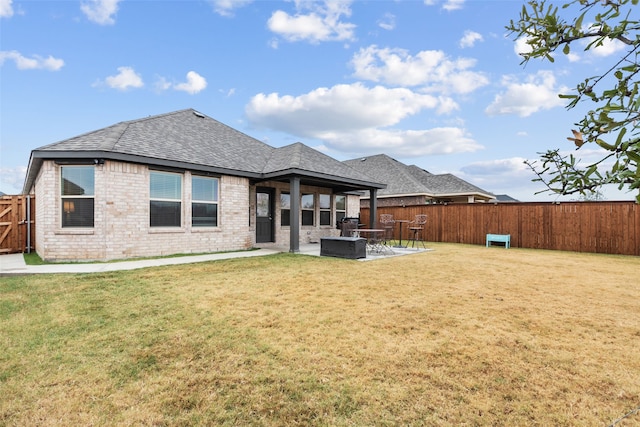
(121, 218)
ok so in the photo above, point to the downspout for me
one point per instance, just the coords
(294, 224)
(28, 223)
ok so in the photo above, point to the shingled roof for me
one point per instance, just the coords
(190, 140)
(404, 180)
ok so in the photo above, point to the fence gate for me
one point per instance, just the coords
(17, 224)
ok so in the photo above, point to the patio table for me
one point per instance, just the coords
(373, 243)
(401, 221)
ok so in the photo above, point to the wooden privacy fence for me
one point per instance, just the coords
(16, 214)
(599, 227)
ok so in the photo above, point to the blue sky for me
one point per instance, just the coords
(435, 83)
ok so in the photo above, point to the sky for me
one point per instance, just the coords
(433, 83)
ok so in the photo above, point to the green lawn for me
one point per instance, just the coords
(462, 335)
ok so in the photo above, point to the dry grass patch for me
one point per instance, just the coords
(461, 335)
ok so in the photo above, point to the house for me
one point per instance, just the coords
(411, 185)
(183, 182)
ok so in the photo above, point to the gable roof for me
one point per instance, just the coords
(188, 139)
(404, 180)
(298, 158)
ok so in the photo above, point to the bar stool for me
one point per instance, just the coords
(416, 228)
(387, 222)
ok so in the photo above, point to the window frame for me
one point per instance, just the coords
(324, 220)
(285, 219)
(68, 201)
(306, 210)
(215, 201)
(338, 211)
(165, 200)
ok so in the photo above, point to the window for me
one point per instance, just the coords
(308, 208)
(77, 194)
(285, 209)
(166, 199)
(325, 209)
(204, 202)
(341, 208)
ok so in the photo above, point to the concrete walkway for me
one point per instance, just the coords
(14, 263)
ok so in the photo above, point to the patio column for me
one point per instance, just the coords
(294, 228)
(373, 208)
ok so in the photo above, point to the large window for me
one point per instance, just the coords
(77, 195)
(165, 199)
(204, 206)
(308, 208)
(341, 208)
(285, 209)
(325, 209)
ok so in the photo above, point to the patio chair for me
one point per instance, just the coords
(416, 229)
(387, 223)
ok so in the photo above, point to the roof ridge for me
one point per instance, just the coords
(157, 116)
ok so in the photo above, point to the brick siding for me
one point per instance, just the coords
(121, 217)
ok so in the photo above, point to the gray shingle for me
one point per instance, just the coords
(190, 139)
(301, 157)
(411, 180)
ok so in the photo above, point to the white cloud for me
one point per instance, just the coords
(388, 22)
(448, 4)
(357, 119)
(431, 69)
(195, 83)
(228, 92)
(521, 46)
(6, 8)
(321, 23)
(453, 4)
(608, 47)
(538, 92)
(100, 11)
(126, 78)
(504, 167)
(226, 7)
(504, 176)
(402, 143)
(14, 178)
(573, 57)
(470, 38)
(162, 84)
(36, 63)
(340, 108)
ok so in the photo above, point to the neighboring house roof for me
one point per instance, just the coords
(404, 180)
(188, 139)
(505, 198)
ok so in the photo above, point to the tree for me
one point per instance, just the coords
(613, 119)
